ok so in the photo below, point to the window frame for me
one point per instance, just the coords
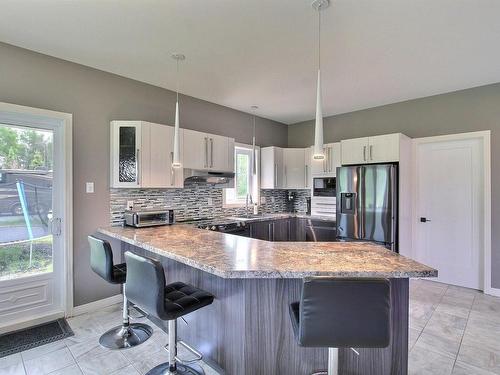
(254, 179)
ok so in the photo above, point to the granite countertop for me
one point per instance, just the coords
(230, 256)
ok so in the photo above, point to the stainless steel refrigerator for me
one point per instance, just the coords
(367, 204)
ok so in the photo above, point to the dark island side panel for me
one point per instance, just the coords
(247, 329)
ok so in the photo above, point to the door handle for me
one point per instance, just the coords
(55, 226)
(424, 220)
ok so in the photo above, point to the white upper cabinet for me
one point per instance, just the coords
(377, 149)
(157, 157)
(329, 165)
(285, 168)
(141, 156)
(125, 140)
(272, 168)
(203, 151)
(294, 168)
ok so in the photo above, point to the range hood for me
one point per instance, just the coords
(219, 179)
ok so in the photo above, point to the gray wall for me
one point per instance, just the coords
(457, 112)
(95, 98)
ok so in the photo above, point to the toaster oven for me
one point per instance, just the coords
(149, 218)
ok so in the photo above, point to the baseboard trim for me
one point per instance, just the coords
(97, 305)
(492, 292)
(30, 321)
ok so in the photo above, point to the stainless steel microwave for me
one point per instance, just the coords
(324, 186)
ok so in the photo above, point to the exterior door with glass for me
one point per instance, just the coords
(32, 282)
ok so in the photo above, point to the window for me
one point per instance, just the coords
(245, 182)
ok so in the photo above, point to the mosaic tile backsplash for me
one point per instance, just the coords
(192, 203)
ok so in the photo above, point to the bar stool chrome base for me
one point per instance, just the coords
(123, 337)
(163, 369)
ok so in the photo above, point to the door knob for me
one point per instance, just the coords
(424, 220)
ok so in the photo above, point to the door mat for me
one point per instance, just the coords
(29, 338)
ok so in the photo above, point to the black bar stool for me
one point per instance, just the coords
(342, 313)
(127, 335)
(146, 288)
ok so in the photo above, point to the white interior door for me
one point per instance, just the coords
(449, 210)
(33, 231)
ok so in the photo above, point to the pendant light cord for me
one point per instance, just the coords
(177, 83)
(319, 39)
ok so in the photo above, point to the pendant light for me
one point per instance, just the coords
(254, 156)
(318, 152)
(176, 159)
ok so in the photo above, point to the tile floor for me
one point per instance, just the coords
(453, 331)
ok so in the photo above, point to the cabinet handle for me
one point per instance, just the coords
(286, 178)
(206, 152)
(172, 176)
(211, 152)
(329, 153)
(137, 167)
(324, 161)
(364, 153)
(275, 175)
(305, 177)
(371, 152)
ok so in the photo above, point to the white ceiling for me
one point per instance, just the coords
(263, 52)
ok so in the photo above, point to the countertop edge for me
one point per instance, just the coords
(271, 274)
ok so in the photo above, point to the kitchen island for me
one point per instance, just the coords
(247, 329)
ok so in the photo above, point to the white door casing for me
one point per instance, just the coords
(452, 193)
(43, 297)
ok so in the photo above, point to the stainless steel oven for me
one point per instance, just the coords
(324, 186)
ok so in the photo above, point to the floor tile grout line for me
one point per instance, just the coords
(462, 338)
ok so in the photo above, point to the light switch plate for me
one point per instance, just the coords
(210, 201)
(130, 205)
(262, 200)
(89, 187)
(272, 199)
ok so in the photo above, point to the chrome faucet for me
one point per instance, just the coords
(248, 201)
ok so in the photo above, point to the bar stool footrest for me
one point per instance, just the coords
(189, 348)
(181, 370)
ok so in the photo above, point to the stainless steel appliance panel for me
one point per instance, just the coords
(349, 220)
(367, 203)
(377, 204)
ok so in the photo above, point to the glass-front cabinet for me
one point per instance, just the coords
(126, 153)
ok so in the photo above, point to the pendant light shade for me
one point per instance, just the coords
(176, 159)
(176, 163)
(254, 155)
(318, 152)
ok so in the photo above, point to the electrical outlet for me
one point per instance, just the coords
(210, 201)
(262, 200)
(89, 187)
(130, 205)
